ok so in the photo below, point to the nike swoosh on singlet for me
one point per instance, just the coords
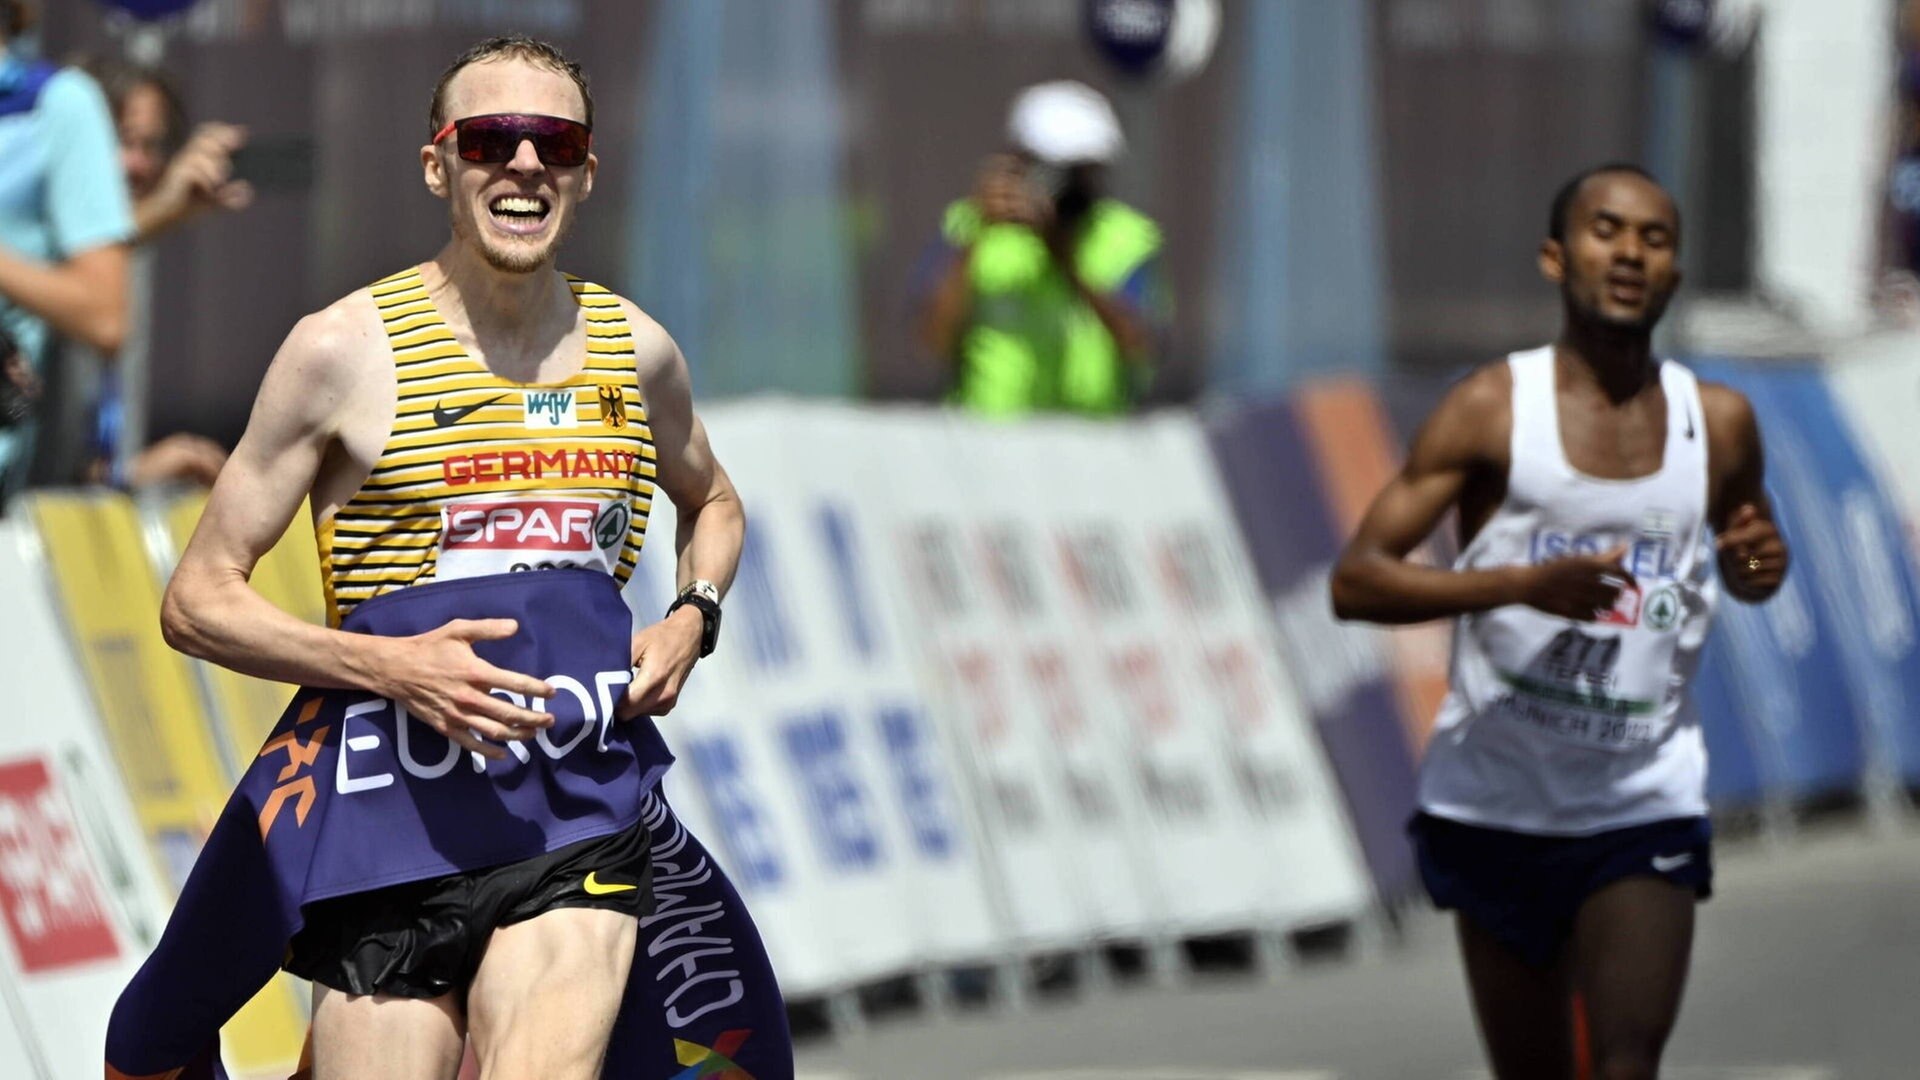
(1689, 423)
(442, 416)
(596, 887)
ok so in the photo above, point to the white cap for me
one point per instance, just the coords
(1065, 123)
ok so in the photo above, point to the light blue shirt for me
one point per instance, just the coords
(62, 192)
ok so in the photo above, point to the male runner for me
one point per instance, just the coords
(1563, 797)
(454, 424)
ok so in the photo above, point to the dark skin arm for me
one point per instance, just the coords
(1753, 555)
(1459, 459)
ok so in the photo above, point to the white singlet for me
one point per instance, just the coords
(1568, 728)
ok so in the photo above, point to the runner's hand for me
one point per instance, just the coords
(1576, 586)
(663, 656)
(440, 680)
(1753, 557)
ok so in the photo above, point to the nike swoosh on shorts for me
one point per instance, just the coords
(596, 887)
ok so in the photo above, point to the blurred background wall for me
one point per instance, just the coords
(1354, 186)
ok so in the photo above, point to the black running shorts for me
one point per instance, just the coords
(424, 939)
(1525, 889)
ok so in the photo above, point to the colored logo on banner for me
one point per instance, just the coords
(712, 1062)
(51, 901)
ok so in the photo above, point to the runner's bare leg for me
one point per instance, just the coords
(376, 1037)
(545, 998)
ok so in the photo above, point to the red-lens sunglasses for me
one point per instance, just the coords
(495, 138)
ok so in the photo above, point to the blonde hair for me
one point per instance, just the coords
(513, 47)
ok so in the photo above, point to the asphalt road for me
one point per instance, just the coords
(1807, 967)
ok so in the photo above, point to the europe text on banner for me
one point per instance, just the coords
(1343, 670)
(1785, 656)
(151, 711)
(351, 793)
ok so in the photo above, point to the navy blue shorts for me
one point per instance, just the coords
(1525, 889)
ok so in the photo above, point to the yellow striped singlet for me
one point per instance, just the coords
(482, 475)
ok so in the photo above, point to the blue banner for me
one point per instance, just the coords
(1807, 683)
(1865, 579)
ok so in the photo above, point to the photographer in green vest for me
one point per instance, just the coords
(1048, 300)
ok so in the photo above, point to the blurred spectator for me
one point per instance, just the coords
(1898, 292)
(170, 188)
(1048, 296)
(65, 222)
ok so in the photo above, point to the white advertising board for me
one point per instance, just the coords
(79, 906)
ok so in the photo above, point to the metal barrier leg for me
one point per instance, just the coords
(848, 1019)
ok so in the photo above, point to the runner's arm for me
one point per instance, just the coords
(1752, 552)
(211, 611)
(711, 524)
(1373, 579)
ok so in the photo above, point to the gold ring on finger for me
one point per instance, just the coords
(1753, 562)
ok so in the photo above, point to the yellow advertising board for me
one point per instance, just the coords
(151, 707)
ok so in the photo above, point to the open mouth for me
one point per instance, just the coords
(1626, 289)
(519, 213)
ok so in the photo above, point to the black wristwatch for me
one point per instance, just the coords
(706, 597)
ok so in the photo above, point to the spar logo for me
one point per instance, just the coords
(550, 409)
(522, 525)
(508, 535)
(712, 1062)
(49, 896)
